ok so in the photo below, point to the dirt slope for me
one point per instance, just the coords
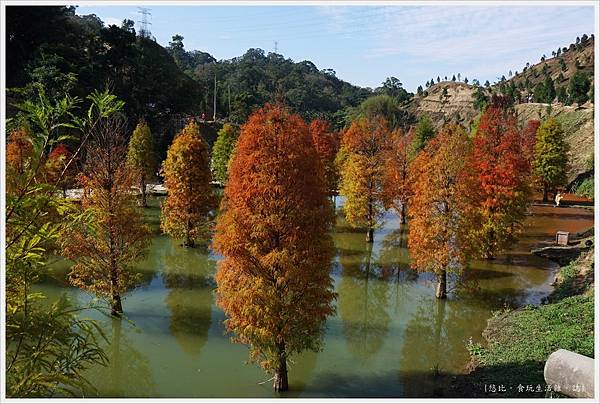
(450, 101)
(578, 124)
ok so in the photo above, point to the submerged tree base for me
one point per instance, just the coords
(369, 238)
(440, 290)
(280, 381)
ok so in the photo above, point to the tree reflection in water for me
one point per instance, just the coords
(187, 273)
(362, 302)
(128, 373)
(435, 342)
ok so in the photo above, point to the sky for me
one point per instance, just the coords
(366, 44)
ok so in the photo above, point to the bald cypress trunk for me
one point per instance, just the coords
(143, 202)
(369, 237)
(440, 290)
(116, 308)
(280, 381)
(403, 214)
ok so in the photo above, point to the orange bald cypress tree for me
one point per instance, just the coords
(365, 145)
(105, 251)
(438, 207)
(396, 184)
(501, 175)
(273, 282)
(19, 151)
(327, 145)
(185, 212)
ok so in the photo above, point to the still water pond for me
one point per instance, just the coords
(387, 339)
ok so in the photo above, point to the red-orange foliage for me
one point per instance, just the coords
(57, 163)
(396, 185)
(529, 138)
(327, 144)
(438, 206)
(273, 282)
(19, 151)
(500, 187)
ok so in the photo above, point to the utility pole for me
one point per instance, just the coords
(215, 99)
(275, 47)
(229, 98)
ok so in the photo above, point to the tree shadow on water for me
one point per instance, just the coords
(128, 373)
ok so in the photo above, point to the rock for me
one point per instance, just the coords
(570, 373)
(560, 254)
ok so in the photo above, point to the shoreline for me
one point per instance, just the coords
(509, 334)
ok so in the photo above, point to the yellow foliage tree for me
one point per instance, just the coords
(140, 156)
(186, 210)
(364, 147)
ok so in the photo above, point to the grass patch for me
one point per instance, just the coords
(575, 278)
(586, 188)
(519, 341)
(571, 121)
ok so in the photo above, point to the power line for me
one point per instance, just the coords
(144, 30)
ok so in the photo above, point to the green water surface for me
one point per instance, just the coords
(389, 337)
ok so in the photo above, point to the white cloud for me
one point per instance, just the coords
(445, 33)
(112, 21)
(479, 41)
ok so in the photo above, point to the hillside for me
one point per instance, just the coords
(76, 54)
(451, 101)
(446, 101)
(578, 124)
(560, 68)
(457, 106)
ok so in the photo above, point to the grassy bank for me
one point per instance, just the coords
(519, 341)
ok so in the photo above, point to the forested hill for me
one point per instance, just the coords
(257, 77)
(76, 54)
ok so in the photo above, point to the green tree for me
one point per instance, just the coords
(563, 65)
(140, 156)
(424, 131)
(222, 151)
(382, 105)
(561, 95)
(551, 157)
(579, 86)
(176, 49)
(480, 99)
(545, 91)
(49, 345)
(393, 87)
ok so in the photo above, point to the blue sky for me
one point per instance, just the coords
(366, 44)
